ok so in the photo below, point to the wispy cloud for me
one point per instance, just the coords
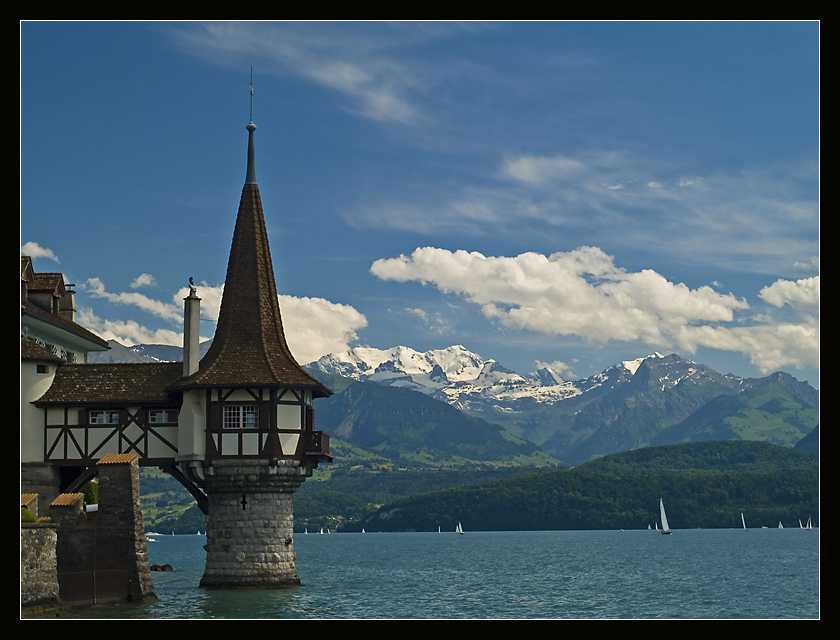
(762, 219)
(375, 85)
(164, 310)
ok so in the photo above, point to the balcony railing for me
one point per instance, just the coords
(275, 443)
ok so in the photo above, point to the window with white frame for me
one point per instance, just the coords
(240, 416)
(104, 417)
(162, 416)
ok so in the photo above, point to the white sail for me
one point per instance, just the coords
(742, 521)
(663, 517)
(459, 529)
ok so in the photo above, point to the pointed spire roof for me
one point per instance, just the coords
(250, 347)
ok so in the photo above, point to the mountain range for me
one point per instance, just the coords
(652, 400)
(451, 405)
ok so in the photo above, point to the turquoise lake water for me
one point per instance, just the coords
(690, 574)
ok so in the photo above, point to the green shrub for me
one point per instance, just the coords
(26, 515)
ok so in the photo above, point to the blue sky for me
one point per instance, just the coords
(564, 193)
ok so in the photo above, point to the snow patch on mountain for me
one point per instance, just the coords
(633, 365)
(461, 377)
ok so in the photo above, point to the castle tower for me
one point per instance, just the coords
(246, 429)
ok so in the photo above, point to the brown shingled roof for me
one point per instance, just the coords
(249, 348)
(112, 383)
(49, 282)
(31, 350)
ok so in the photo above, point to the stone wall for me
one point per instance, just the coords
(250, 523)
(38, 577)
(120, 513)
(88, 558)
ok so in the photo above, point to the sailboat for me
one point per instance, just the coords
(665, 527)
(459, 529)
(742, 521)
(780, 525)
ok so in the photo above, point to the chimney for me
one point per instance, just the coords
(67, 304)
(192, 311)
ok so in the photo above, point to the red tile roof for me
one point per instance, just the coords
(66, 499)
(117, 458)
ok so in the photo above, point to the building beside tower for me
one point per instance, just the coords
(235, 427)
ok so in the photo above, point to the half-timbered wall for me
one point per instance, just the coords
(257, 423)
(82, 434)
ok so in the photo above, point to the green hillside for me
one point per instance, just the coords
(769, 410)
(704, 485)
(410, 428)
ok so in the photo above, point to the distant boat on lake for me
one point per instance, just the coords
(459, 529)
(742, 521)
(665, 528)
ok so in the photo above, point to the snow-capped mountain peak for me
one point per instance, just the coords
(362, 363)
(461, 377)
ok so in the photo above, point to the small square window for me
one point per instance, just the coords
(240, 416)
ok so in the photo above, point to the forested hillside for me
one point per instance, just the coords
(704, 485)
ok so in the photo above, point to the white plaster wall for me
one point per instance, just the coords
(32, 386)
(191, 424)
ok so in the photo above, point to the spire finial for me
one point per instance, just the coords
(251, 173)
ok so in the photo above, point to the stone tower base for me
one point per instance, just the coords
(250, 523)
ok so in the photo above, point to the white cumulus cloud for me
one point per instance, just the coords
(34, 250)
(801, 294)
(583, 293)
(144, 280)
(313, 327)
